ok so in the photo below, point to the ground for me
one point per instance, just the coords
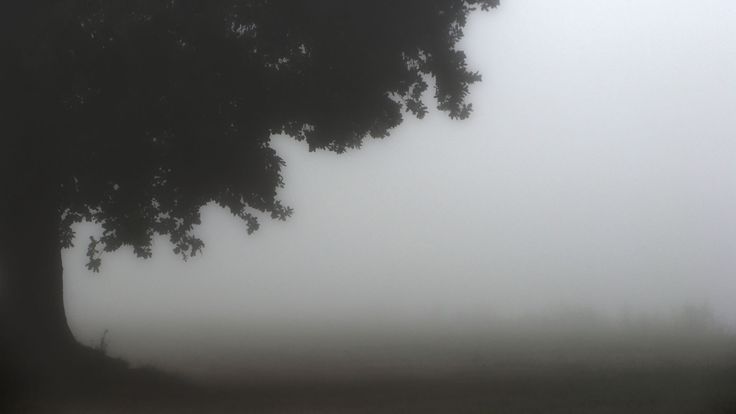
(645, 389)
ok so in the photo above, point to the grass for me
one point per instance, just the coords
(514, 369)
(572, 390)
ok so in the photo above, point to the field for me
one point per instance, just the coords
(517, 368)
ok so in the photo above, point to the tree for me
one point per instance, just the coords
(134, 114)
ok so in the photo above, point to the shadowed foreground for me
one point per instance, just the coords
(575, 389)
(666, 375)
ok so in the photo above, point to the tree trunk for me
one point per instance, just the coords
(31, 285)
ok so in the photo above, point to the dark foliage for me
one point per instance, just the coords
(134, 114)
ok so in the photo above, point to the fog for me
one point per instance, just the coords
(597, 174)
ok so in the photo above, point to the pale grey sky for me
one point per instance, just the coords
(598, 170)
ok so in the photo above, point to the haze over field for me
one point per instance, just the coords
(597, 172)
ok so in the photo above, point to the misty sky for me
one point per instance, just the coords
(598, 170)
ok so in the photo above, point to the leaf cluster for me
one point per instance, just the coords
(139, 112)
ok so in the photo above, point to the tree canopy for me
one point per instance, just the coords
(134, 114)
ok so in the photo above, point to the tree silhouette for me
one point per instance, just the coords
(134, 114)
